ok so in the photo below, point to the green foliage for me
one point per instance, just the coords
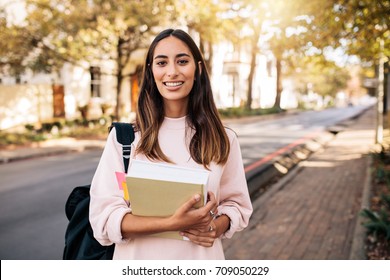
(55, 32)
(319, 75)
(238, 112)
(378, 216)
(207, 19)
(20, 138)
(378, 222)
(357, 26)
(77, 128)
(382, 175)
(87, 32)
(385, 198)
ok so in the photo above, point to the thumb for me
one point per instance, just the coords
(189, 204)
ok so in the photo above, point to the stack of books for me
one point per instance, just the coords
(159, 189)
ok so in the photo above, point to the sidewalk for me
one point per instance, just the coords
(47, 148)
(313, 212)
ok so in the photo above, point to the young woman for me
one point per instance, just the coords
(177, 123)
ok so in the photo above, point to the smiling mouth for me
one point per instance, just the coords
(173, 84)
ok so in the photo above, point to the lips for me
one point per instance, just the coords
(173, 84)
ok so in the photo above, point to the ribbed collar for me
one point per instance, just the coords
(174, 123)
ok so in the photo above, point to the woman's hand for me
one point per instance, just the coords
(198, 225)
(188, 217)
(208, 235)
(204, 237)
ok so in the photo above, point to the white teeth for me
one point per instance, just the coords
(173, 84)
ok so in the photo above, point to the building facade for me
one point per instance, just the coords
(42, 97)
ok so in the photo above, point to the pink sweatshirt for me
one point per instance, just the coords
(108, 206)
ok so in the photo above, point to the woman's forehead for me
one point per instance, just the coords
(171, 46)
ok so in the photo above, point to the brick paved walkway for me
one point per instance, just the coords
(312, 212)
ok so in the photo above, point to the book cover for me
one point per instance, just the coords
(158, 189)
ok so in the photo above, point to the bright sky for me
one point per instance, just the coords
(15, 10)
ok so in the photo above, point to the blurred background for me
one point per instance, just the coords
(66, 61)
(68, 68)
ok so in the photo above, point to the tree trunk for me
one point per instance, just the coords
(118, 94)
(248, 104)
(119, 79)
(208, 57)
(279, 87)
(254, 51)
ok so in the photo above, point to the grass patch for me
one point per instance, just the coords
(239, 112)
(81, 129)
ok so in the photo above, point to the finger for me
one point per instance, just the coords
(211, 202)
(198, 234)
(204, 242)
(213, 213)
(189, 204)
(198, 239)
(210, 196)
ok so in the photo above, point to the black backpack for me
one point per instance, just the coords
(79, 241)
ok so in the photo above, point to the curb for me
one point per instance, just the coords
(17, 157)
(261, 179)
(360, 232)
(7, 156)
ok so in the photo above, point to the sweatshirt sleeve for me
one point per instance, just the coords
(108, 206)
(234, 195)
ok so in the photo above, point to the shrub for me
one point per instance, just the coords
(378, 222)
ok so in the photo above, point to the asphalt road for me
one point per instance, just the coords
(32, 198)
(261, 138)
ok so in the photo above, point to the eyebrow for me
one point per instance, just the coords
(177, 56)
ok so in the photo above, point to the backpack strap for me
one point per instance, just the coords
(125, 136)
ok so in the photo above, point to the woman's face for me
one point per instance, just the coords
(173, 70)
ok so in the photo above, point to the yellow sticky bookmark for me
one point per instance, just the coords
(125, 191)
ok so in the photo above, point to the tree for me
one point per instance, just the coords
(361, 28)
(11, 39)
(210, 22)
(289, 21)
(355, 26)
(55, 32)
(250, 14)
(279, 17)
(322, 76)
(365, 24)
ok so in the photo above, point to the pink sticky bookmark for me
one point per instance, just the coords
(121, 179)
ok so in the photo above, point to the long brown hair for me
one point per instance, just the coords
(209, 142)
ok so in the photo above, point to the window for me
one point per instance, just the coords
(95, 81)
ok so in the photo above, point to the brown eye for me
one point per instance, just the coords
(161, 63)
(182, 62)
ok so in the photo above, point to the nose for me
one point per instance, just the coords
(172, 70)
